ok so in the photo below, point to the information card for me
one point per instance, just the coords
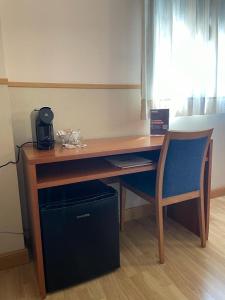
(159, 122)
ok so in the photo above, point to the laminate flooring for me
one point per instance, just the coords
(189, 272)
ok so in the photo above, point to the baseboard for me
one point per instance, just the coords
(13, 259)
(138, 212)
(219, 192)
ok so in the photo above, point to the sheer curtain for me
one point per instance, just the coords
(183, 56)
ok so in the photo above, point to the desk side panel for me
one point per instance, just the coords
(34, 217)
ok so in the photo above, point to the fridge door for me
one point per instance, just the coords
(80, 241)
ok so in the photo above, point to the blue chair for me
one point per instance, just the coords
(179, 177)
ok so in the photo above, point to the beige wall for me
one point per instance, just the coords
(72, 41)
(10, 215)
(75, 41)
(105, 113)
(84, 41)
(203, 122)
(98, 113)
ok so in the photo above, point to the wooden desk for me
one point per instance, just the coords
(61, 166)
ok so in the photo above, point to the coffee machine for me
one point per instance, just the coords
(42, 128)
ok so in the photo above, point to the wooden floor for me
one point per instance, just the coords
(189, 272)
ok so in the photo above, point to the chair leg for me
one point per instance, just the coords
(122, 206)
(160, 233)
(201, 217)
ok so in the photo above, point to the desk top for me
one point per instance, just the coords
(95, 148)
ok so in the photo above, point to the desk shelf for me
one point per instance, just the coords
(54, 174)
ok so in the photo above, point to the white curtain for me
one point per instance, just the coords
(183, 56)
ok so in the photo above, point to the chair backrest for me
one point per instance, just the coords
(181, 163)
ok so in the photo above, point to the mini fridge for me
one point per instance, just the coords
(80, 232)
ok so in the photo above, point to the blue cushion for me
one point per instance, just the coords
(182, 169)
(144, 182)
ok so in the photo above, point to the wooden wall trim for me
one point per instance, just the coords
(138, 212)
(61, 85)
(72, 85)
(13, 259)
(219, 192)
(3, 81)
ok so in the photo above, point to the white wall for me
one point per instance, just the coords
(106, 113)
(204, 122)
(10, 215)
(72, 41)
(97, 113)
(84, 41)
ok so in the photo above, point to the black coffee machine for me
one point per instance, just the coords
(42, 128)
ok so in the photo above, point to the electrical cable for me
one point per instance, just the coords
(10, 232)
(18, 156)
(19, 147)
(16, 232)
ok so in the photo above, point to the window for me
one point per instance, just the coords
(183, 65)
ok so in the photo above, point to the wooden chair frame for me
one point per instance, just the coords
(161, 202)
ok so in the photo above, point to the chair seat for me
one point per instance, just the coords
(144, 182)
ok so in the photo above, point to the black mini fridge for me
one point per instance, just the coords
(80, 232)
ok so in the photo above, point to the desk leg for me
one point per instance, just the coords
(207, 188)
(185, 213)
(32, 199)
(122, 206)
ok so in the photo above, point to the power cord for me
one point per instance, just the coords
(18, 155)
(15, 232)
(19, 147)
(10, 232)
